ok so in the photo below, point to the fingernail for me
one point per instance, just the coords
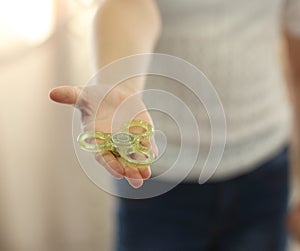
(136, 183)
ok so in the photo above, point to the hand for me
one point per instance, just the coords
(293, 222)
(99, 116)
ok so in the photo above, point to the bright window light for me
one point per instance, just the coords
(29, 21)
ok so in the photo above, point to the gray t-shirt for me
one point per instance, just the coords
(236, 45)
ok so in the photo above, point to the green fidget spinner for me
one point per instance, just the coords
(125, 143)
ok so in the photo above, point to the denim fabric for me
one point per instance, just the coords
(246, 213)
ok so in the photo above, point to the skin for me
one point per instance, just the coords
(293, 73)
(94, 118)
(121, 28)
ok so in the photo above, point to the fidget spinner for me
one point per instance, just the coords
(126, 143)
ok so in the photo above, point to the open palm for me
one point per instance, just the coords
(104, 109)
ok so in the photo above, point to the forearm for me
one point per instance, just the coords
(123, 28)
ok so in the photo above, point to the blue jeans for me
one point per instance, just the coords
(246, 213)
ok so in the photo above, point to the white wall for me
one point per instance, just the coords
(46, 200)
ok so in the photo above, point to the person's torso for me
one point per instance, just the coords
(235, 44)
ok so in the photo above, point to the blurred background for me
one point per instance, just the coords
(46, 200)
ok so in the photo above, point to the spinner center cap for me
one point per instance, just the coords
(122, 138)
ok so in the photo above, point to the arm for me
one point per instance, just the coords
(121, 28)
(293, 74)
(292, 39)
(293, 71)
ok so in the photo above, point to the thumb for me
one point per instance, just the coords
(65, 94)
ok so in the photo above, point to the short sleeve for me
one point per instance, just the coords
(291, 16)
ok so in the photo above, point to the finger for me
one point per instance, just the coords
(133, 176)
(151, 145)
(134, 182)
(145, 172)
(132, 173)
(111, 164)
(145, 143)
(65, 94)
